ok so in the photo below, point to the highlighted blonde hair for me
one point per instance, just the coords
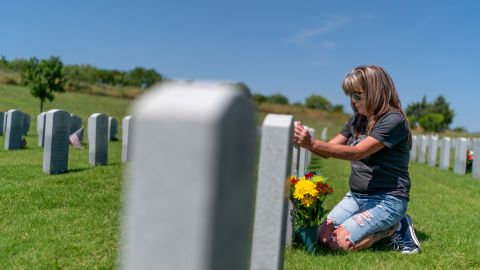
(379, 92)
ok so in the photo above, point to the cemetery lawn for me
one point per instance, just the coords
(445, 212)
(72, 221)
(66, 221)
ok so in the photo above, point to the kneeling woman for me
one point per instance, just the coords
(377, 141)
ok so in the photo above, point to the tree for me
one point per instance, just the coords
(432, 122)
(318, 102)
(142, 77)
(44, 78)
(441, 106)
(259, 98)
(417, 113)
(277, 99)
(338, 108)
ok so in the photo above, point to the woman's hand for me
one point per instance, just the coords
(301, 136)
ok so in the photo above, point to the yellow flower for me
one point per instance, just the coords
(307, 201)
(304, 188)
(319, 179)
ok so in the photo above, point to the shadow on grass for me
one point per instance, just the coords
(386, 245)
(78, 170)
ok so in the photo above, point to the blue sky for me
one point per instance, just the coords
(296, 48)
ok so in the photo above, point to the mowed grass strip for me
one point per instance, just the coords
(445, 211)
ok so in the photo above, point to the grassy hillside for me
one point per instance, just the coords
(71, 221)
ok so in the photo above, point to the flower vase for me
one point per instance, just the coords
(308, 237)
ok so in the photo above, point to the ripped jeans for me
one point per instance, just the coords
(364, 215)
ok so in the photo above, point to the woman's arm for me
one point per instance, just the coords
(336, 147)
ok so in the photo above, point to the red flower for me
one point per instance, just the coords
(293, 180)
(309, 175)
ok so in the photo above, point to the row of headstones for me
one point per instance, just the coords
(56, 133)
(54, 129)
(75, 125)
(427, 146)
(190, 186)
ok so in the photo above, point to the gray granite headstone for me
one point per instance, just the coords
(208, 177)
(41, 128)
(75, 123)
(445, 153)
(460, 156)
(126, 138)
(422, 157)
(112, 128)
(55, 151)
(432, 151)
(476, 158)
(14, 131)
(26, 123)
(413, 150)
(272, 192)
(98, 139)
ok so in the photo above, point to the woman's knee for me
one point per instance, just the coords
(326, 229)
(340, 239)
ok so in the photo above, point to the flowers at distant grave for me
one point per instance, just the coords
(307, 194)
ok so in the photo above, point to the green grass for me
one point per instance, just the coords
(66, 221)
(71, 221)
(444, 207)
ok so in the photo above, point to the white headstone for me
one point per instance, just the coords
(57, 131)
(2, 119)
(14, 131)
(445, 153)
(26, 123)
(126, 138)
(324, 134)
(193, 146)
(476, 159)
(41, 128)
(460, 156)
(75, 123)
(311, 131)
(272, 193)
(432, 151)
(469, 143)
(5, 122)
(423, 149)
(98, 139)
(413, 150)
(112, 128)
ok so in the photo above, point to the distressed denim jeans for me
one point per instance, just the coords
(364, 215)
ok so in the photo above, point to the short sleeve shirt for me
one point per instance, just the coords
(386, 171)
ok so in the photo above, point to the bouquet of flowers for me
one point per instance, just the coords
(307, 195)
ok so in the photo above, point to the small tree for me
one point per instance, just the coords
(44, 78)
(318, 102)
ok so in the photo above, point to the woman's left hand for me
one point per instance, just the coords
(301, 136)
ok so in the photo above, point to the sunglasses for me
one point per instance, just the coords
(356, 96)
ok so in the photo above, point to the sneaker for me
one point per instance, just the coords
(404, 238)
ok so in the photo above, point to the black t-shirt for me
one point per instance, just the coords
(386, 171)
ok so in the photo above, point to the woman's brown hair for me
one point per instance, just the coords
(379, 92)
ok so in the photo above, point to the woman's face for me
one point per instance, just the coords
(358, 100)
